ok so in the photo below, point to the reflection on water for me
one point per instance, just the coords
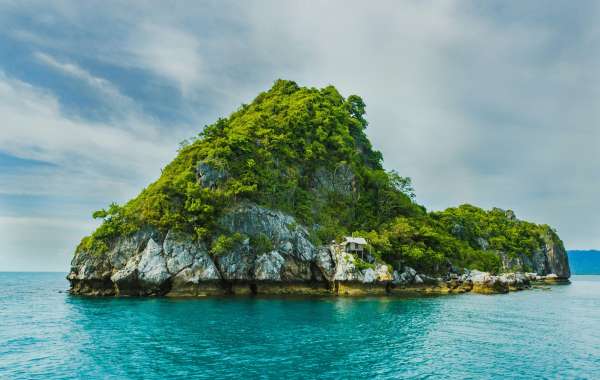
(537, 333)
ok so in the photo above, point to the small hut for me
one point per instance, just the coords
(355, 245)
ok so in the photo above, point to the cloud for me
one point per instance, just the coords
(106, 89)
(34, 128)
(168, 52)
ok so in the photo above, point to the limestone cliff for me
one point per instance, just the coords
(551, 258)
(176, 264)
(147, 263)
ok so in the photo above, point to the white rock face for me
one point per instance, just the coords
(484, 282)
(345, 269)
(550, 258)
(383, 272)
(180, 250)
(128, 246)
(152, 268)
(285, 233)
(138, 264)
(128, 274)
(368, 276)
(238, 264)
(514, 280)
(325, 263)
(202, 269)
(480, 277)
(268, 266)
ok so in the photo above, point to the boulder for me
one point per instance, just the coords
(368, 276)
(484, 282)
(514, 281)
(202, 270)
(382, 271)
(126, 279)
(325, 263)
(345, 269)
(406, 277)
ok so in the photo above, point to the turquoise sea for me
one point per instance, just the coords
(544, 333)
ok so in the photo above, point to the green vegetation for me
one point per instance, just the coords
(500, 229)
(225, 243)
(261, 244)
(304, 151)
(360, 264)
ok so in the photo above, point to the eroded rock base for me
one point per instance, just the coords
(320, 289)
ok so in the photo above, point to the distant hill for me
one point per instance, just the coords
(584, 262)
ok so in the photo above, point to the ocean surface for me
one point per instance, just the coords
(46, 333)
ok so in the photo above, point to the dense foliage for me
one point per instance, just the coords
(304, 151)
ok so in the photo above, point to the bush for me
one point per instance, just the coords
(226, 243)
(261, 243)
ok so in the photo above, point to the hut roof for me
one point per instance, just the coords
(356, 240)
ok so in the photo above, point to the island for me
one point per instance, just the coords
(287, 196)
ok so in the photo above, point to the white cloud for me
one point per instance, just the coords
(169, 52)
(33, 127)
(107, 90)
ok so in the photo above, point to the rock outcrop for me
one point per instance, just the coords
(149, 263)
(550, 259)
(145, 263)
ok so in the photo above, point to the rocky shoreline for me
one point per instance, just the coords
(475, 282)
(148, 263)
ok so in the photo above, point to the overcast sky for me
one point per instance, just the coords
(493, 103)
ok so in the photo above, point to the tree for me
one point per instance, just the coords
(402, 184)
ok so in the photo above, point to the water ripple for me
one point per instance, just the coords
(534, 334)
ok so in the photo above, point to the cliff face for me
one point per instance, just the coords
(175, 264)
(551, 258)
(147, 263)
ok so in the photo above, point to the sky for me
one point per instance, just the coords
(492, 103)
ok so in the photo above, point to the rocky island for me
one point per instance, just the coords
(261, 202)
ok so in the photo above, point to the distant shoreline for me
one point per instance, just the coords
(584, 262)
